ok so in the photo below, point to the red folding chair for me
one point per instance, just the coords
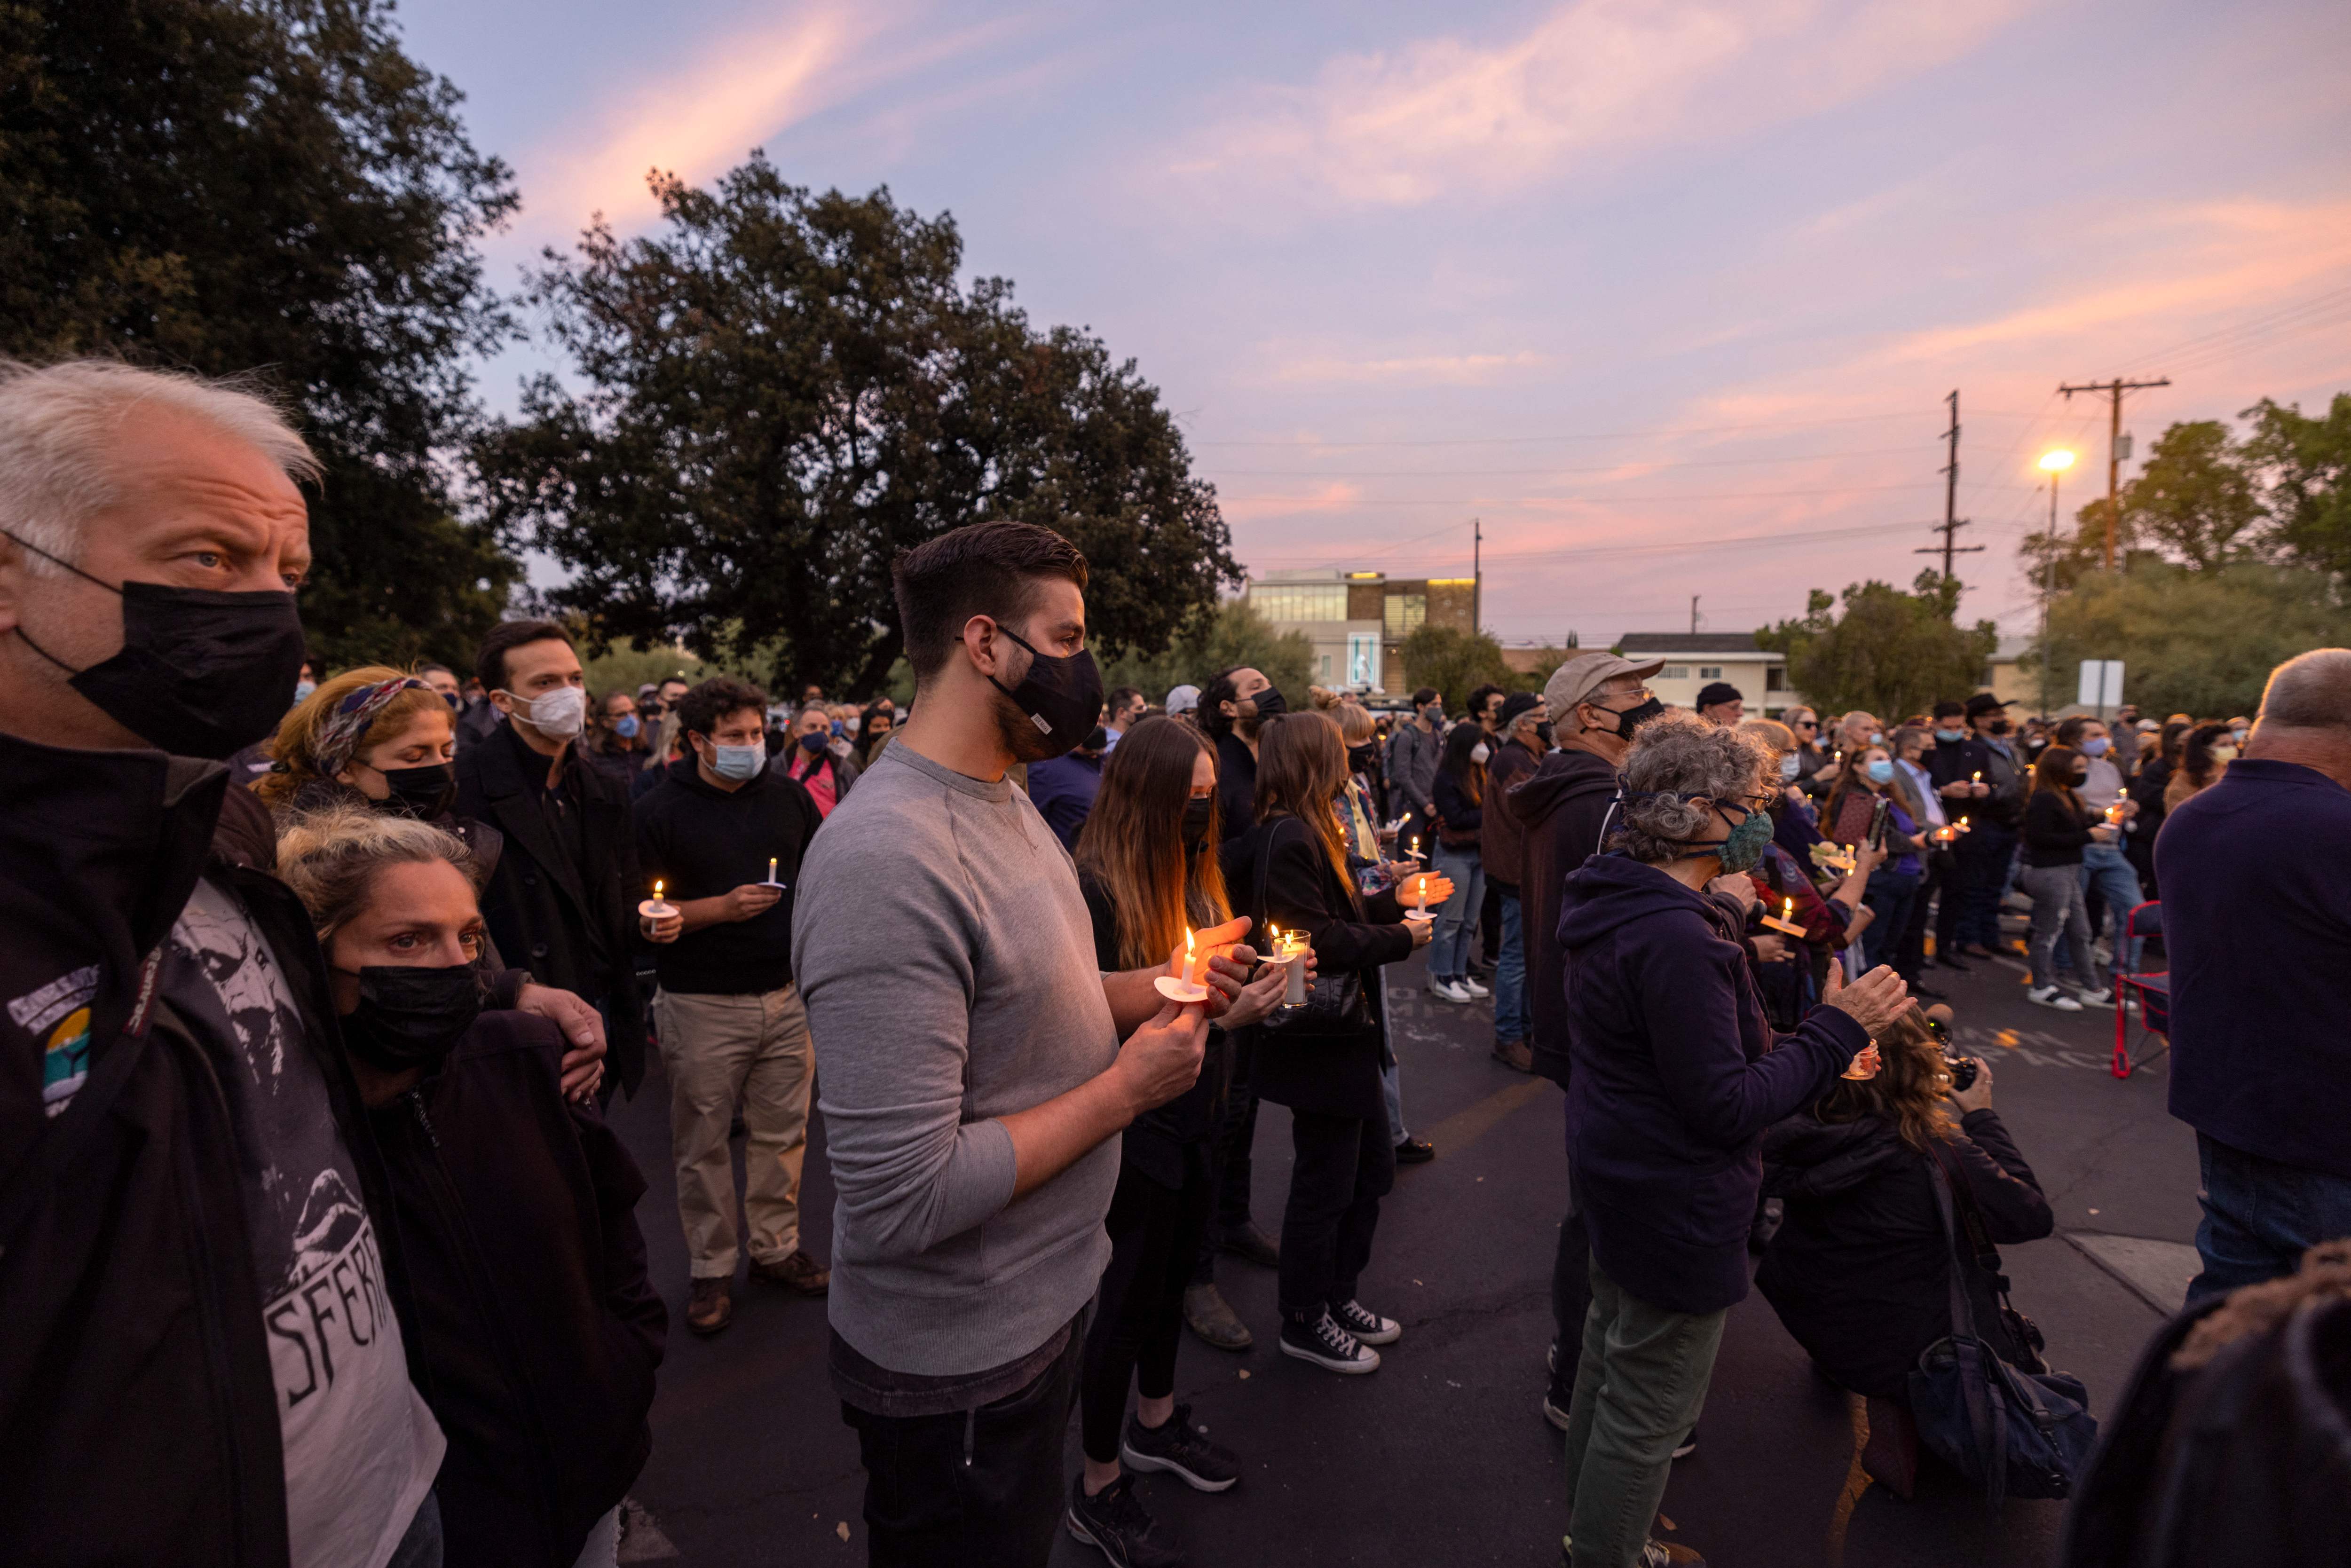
(2152, 992)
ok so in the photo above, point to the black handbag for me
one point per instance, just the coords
(2010, 1431)
(1335, 1006)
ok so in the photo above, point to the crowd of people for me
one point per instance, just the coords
(313, 1014)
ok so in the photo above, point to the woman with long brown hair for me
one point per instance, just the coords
(2057, 825)
(1290, 870)
(1859, 1271)
(1147, 865)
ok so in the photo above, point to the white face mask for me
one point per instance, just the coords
(556, 715)
(1478, 753)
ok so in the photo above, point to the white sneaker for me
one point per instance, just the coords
(1469, 984)
(2104, 998)
(2051, 997)
(1447, 991)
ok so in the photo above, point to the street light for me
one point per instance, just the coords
(2053, 463)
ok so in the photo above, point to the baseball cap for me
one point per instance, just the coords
(1720, 691)
(1183, 699)
(1578, 677)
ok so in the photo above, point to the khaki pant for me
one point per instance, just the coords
(716, 1049)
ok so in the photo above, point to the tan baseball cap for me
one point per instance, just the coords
(1583, 674)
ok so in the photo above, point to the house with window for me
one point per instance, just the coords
(1693, 661)
(1357, 620)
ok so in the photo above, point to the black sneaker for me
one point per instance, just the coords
(1365, 1323)
(1114, 1521)
(1414, 1152)
(1323, 1341)
(1182, 1449)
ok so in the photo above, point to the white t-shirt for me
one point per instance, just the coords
(360, 1447)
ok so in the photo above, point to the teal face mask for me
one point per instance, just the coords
(1744, 847)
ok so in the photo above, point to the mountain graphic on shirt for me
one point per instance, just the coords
(331, 1220)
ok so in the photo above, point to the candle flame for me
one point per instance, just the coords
(1788, 908)
(657, 888)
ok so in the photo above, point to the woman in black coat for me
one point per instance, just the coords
(1289, 870)
(1860, 1270)
(536, 1331)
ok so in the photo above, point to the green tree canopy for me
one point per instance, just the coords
(1890, 653)
(2198, 642)
(784, 390)
(1459, 662)
(271, 187)
(2306, 464)
(1231, 636)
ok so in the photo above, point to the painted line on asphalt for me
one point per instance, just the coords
(1465, 1127)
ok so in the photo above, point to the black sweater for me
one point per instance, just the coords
(1156, 1142)
(1457, 812)
(703, 842)
(2054, 830)
(1860, 1269)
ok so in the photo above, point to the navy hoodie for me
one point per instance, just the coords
(1676, 1072)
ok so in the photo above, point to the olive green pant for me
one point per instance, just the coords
(1639, 1391)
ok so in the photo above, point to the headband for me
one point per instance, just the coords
(348, 725)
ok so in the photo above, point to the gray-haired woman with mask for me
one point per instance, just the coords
(1676, 1072)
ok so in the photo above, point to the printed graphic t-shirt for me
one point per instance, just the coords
(361, 1448)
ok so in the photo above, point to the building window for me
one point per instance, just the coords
(1775, 677)
(1709, 672)
(1300, 601)
(1326, 666)
(1363, 661)
(1675, 672)
(1407, 612)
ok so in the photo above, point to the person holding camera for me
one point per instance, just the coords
(1860, 1269)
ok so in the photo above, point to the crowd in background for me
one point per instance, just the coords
(315, 1013)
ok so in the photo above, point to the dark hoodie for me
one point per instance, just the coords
(1676, 1072)
(702, 841)
(1860, 1270)
(1559, 808)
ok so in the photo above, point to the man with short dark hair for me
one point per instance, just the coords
(1414, 749)
(2259, 867)
(1126, 707)
(1722, 704)
(1503, 842)
(1237, 701)
(974, 1079)
(1486, 707)
(726, 832)
(561, 901)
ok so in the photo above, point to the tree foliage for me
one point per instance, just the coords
(784, 390)
(272, 188)
(1890, 653)
(1457, 663)
(1231, 636)
(2197, 642)
(2304, 462)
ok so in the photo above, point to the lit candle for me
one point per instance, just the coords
(1786, 919)
(771, 868)
(656, 907)
(1191, 961)
(1863, 1066)
(1290, 950)
(1788, 908)
(1979, 777)
(1423, 886)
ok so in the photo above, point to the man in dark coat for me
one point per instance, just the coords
(1518, 752)
(562, 902)
(1559, 808)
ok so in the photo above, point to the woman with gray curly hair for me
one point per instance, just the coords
(1674, 1073)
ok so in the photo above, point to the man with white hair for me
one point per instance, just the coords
(2256, 875)
(187, 1211)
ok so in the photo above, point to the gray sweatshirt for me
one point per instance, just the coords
(947, 963)
(1413, 755)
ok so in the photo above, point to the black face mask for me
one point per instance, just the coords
(1061, 694)
(1097, 740)
(200, 673)
(411, 1016)
(1271, 702)
(1360, 757)
(1633, 718)
(423, 793)
(1542, 732)
(2000, 727)
(1197, 812)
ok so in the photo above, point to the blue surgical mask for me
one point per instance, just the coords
(626, 726)
(1876, 738)
(1881, 771)
(1948, 735)
(2095, 746)
(303, 689)
(737, 762)
(1790, 767)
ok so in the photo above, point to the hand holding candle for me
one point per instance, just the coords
(771, 871)
(659, 918)
(1183, 984)
(1786, 919)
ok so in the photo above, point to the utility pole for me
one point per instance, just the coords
(2114, 391)
(1476, 576)
(1693, 614)
(1952, 521)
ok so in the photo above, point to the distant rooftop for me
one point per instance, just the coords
(1689, 642)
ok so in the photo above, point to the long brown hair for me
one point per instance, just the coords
(1132, 842)
(1849, 778)
(1908, 1091)
(2053, 769)
(1302, 764)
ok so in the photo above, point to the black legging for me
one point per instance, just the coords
(1344, 1165)
(1155, 1233)
(1230, 1157)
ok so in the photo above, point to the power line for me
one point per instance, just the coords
(1312, 443)
(2114, 391)
(1485, 473)
(2321, 303)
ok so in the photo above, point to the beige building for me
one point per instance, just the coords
(1693, 661)
(1357, 620)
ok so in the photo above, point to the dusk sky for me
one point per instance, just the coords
(1668, 294)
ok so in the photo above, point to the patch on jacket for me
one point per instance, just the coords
(61, 1008)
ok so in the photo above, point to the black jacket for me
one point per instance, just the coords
(2055, 832)
(1235, 785)
(1860, 1270)
(1160, 1143)
(703, 842)
(1959, 762)
(536, 1331)
(1560, 808)
(1456, 814)
(571, 922)
(1349, 935)
(138, 1405)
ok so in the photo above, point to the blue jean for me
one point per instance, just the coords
(1457, 927)
(2260, 1216)
(1510, 1021)
(2108, 871)
(420, 1547)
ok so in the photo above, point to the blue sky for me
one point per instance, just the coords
(1667, 294)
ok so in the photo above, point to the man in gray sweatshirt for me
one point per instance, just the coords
(969, 1064)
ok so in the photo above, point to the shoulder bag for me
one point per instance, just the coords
(2009, 1430)
(1335, 1006)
